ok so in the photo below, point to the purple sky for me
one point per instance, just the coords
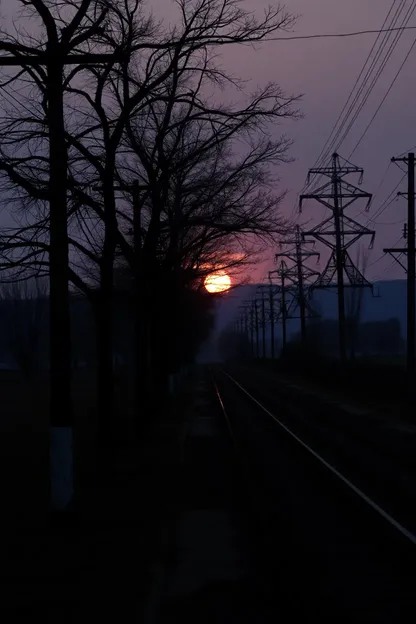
(324, 70)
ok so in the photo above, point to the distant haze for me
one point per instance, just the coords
(389, 302)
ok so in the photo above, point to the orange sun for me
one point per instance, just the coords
(217, 282)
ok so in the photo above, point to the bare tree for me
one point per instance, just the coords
(202, 184)
(66, 28)
(106, 102)
(137, 90)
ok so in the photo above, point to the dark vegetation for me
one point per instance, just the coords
(127, 180)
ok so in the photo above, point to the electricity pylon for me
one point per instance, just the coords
(262, 302)
(247, 306)
(300, 274)
(268, 293)
(272, 314)
(339, 232)
(283, 312)
(251, 306)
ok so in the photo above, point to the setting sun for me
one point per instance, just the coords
(217, 282)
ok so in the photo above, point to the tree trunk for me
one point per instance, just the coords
(61, 416)
(142, 361)
(139, 373)
(105, 373)
(104, 319)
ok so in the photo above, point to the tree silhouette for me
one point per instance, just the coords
(156, 172)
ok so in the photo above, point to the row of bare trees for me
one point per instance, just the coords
(131, 158)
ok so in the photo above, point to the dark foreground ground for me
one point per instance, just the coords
(198, 525)
(97, 565)
(165, 536)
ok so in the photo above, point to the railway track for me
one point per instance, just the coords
(356, 447)
(330, 546)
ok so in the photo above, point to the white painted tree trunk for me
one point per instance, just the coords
(62, 467)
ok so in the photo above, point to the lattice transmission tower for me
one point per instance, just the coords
(339, 232)
(299, 274)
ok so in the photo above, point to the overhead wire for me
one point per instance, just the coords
(387, 202)
(384, 273)
(383, 179)
(377, 53)
(373, 59)
(339, 35)
(390, 222)
(330, 141)
(378, 73)
(383, 255)
(385, 96)
(380, 212)
(328, 145)
(324, 153)
(375, 261)
(407, 151)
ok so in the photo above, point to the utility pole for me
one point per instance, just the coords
(249, 307)
(339, 264)
(410, 267)
(284, 311)
(246, 325)
(139, 324)
(246, 328)
(271, 312)
(274, 290)
(263, 319)
(343, 229)
(282, 273)
(397, 252)
(256, 313)
(298, 256)
(54, 58)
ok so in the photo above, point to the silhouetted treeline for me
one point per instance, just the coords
(181, 320)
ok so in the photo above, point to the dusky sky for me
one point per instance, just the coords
(324, 71)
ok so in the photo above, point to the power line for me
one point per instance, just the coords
(375, 261)
(385, 96)
(386, 270)
(379, 71)
(383, 179)
(366, 72)
(407, 151)
(390, 222)
(330, 143)
(387, 202)
(380, 212)
(383, 255)
(374, 58)
(340, 35)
